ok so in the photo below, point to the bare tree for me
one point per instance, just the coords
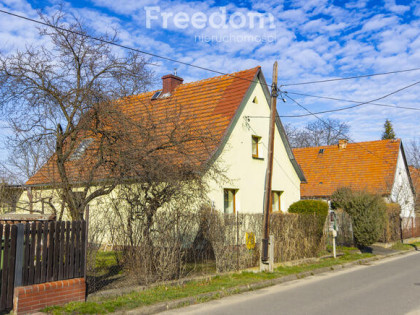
(24, 159)
(413, 153)
(65, 94)
(317, 133)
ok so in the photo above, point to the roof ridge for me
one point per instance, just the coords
(197, 82)
(220, 76)
(352, 143)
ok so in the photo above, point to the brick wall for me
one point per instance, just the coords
(35, 297)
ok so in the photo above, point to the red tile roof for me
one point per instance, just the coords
(209, 105)
(367, 166)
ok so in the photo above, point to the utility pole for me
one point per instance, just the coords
(269, 172)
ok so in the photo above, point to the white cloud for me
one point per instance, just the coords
(378, 22)
(393, 7)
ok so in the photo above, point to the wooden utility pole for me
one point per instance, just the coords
(269, 172)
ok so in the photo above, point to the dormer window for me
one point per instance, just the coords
(81, 149)
(256, 147)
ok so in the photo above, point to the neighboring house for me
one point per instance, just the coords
(379, 167)
(223, 105)
(415, 177)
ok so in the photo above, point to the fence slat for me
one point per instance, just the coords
(5, 267)
(77, 251)
(31, 269)
(56, 250)
(39, 230)
(83, 250)
(61, 253)
(72, 245)
(44, 265)
(67, 260)
(26, 254)
(11, 271)
(50, 252)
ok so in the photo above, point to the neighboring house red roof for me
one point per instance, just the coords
(366, 166)
(209, 105)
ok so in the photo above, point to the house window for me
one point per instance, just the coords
(230, 200)
(275, 201)
(256, 147)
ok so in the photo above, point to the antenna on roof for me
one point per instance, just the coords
(175, 71)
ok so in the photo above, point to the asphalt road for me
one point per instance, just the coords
(389, 286)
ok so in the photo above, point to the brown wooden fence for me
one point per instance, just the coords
(40, 252)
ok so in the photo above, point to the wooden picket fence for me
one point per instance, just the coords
(40, 252)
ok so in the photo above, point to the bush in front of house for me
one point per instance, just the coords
(318, 208)
(368, 213)
(310, 207)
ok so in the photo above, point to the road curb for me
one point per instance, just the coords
(164, 306)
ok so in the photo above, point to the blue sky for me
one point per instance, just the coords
(311, 40)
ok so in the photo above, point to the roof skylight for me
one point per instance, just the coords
(80, 150)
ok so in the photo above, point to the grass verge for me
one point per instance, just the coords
(194, 288)
(401, 246)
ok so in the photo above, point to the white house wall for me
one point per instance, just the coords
(247, 174)
(402, 192)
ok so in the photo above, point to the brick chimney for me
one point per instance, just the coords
(170, 82)
(342, 143)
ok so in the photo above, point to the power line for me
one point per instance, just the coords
(352, 77)
(126, 47)
(347, 107)
(364, 103)
(351, 101)
(338, 132)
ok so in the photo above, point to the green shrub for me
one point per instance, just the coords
(318, 208)
(367, 212)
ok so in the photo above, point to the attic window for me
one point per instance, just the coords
(321, 151)
(80, 150)
(255, 100)
(156, 95)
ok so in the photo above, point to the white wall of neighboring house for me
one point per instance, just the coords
(247, 174)
(402, 192)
